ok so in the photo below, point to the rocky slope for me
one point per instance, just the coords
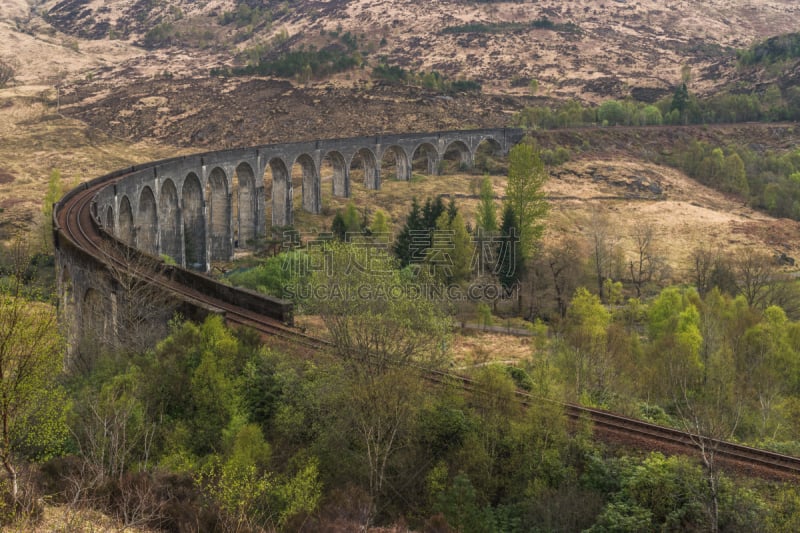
(588, 48)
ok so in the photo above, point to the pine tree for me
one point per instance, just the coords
(380, 223)
(452, 209)
(404, 244)
(453, 242)
(338, 227)
(510, 262)
(680, 101)
(352, 219)
(486, 217)
(431, 212)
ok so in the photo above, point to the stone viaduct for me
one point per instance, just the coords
(197, 209)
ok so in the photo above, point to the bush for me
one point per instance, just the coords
(8, 69)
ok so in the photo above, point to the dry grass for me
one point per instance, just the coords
(37, 141)
(66, 519)
(621, 44)
(467, 349)
(684, 216)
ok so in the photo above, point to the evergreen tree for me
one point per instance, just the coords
(431, 212)
(452, 249)
(404, 246)
(338, 227)
(510, 262)
(380, 223)
(452, 209)
(486, 217)
(680, 101)
(415, 237)
(352, 220)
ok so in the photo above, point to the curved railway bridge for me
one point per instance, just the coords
(200, 208)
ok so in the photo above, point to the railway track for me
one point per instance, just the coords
(74, 221)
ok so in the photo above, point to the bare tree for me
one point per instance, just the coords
(134, 314)
(709, 411)
(647, 265)
(8, 70)
(703, 261)
(602, 245)
(113, 435)
(564, 264)
(381, 414)
(754, 273)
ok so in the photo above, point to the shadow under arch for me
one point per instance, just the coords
(245, 219)
(365, 158)
(108, 222)
(425, 159)
(311, 193)
(281, 193)
(126, 229)
(147, 222)
(340, 173)
(194, 227)
(170, 222)
(486, 156)
(399, 160)
(459, 153)
(219, 215)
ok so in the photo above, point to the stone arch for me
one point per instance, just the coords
(369, 163)
(219, 215)
(93, 315)
(402, 165)
(194, 224)
(244, 205)
(312, 198)
(341, 173)
(147, 222)
(108, 223)
(458, 152)
(126, 229)
(425, 158)
(170, 221)
(281, 193)
(485, 153)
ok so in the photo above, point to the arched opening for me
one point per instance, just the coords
(335, 168)
(147, 232)
(170, 217)
(367, 162)
(456, 157)
(310, 184)
(489, 157)
(108, 224)
(194, 225)
(219, 215)
(126, 232)
(396, 157)
(281, 194)
(244, 206)
(425, 159)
